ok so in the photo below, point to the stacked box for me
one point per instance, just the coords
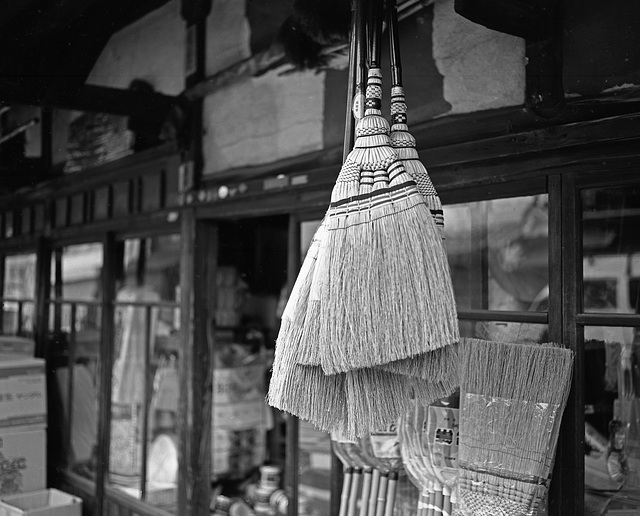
(46, 502)
(23, 417)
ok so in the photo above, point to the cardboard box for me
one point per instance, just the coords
(14, 345)
(23, 462)
(47, 502)
(23, 391)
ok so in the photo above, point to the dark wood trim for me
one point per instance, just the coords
(468, 314)
(157, 223)
(85, 98)
(140, 163)
(556, 325)
(199, 249)
(608, 319)
(294, 261)
(567, 496)
(107, 336)
(46, 137)
(42, 295)
(185, 412)
(2, 280)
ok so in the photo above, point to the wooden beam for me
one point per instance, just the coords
(84, 98)
(197, 290)
(523, 18)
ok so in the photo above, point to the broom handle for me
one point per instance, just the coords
(437, 489)
(351, 82)
(391, 493)
(394, 44)
(366, 491)
(346, 487)
(446, 501)
(376, 33)
(382, 494)
(354, 490)
(432, 498)
(373, 496)
(422, 504)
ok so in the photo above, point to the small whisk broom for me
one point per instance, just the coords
(512, 398)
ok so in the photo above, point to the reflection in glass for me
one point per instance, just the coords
(74, 340)
(611, 253)
(500, 331)
(498, 253)
(612, 418)
(144, 399)
(18, 295)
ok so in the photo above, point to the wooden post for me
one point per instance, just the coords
(197, 287)
(2, 280)
(195, 13)
(566, 496)
(292, 443)
(46, 138)
(42, 295)
(107, 334)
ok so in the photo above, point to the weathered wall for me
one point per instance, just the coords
(482, 69)
(263, 119)
(450, 66)
(228, 35)
(151, 49)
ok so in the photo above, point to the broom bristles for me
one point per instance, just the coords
(383, 281)
(378, 306)
(439, 365)
(522, 388)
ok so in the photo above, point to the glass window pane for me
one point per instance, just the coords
(144, 395)
(611, 246)
(498, 253)
(74, 340)
(612, 419)
(19, 294)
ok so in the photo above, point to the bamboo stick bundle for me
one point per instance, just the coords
(512, 399)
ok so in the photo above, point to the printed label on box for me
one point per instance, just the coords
(22, 461)
(23, 399)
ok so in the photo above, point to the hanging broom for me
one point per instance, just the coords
(512, 398)
(335, 402)
(401, 139)
(439, 365)
(287, 376)
(383, 257)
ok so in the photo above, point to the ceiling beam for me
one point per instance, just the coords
(529, 19)
(84, 98)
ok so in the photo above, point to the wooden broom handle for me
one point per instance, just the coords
(373, 497)
(375, 33)
(391, 493)
(351, 82)
(346, 487)
(366, 492)
(355, 487)
(382, 493)
(394, 43)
